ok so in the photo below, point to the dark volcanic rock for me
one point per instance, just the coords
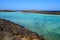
(12, 31)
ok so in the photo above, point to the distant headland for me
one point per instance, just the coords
(34, 11)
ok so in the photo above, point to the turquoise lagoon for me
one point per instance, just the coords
(43, 24)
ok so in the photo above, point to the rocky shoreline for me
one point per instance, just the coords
(34, 11)
(13, 31)
(42, 12)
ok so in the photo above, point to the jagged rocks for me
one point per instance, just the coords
(13, 31)
(5, 36)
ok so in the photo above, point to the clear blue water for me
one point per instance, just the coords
(43, 24)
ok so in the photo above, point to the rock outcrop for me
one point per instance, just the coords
(13, 31)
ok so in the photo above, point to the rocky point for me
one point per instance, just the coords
(12, 31)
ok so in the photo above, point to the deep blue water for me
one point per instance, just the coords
(43, 24)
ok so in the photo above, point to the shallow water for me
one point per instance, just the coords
(43, 24)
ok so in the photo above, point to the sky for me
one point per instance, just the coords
(30, 4)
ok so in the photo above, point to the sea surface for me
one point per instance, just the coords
(43, 24)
